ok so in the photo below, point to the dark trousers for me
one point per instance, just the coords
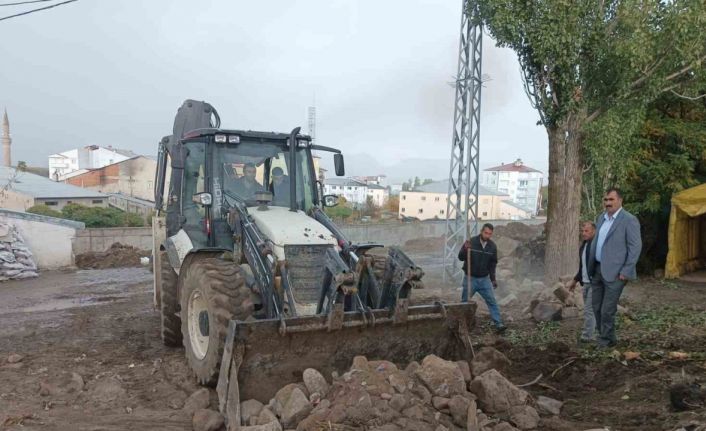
(605, 306)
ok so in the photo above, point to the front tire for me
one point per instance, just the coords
(213, 292)
(170, 328)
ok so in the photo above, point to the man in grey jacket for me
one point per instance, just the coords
(614, 254)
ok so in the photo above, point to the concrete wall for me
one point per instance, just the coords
(389, 234)
(100, 239)
(50, 239)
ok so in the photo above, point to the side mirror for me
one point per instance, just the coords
(338, 164)
(202, 198)
(330, 200)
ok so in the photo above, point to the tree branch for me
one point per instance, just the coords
(684, 70)
(682, 96)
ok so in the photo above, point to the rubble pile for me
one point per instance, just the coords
(16, 260)
(436, 395)
(117, 256)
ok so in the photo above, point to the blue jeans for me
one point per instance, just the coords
(484, 288)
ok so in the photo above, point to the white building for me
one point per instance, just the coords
(89, 157)
(429, 202)
(356, 192)
(522, 183)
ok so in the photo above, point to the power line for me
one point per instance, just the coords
(24, 2)
(36, 10)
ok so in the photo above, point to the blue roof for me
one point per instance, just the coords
(42, 187)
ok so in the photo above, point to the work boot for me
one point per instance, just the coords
(500, 329)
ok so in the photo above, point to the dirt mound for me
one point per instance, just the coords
(117, 256)
(519, 231)
(425, 244)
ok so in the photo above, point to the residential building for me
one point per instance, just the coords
(522, 183)
(356, 192)
(133, 177)
(88, 157)
(429, 202)
(21, 190)
(380, 180)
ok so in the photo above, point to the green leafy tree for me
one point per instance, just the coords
(44, 210)
(101, 217)
(590, 69)
(22, 166)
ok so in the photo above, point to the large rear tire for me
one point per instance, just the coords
(169, 303)
(213, 292)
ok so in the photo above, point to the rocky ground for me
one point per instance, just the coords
(81, 351)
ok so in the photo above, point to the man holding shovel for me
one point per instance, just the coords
(480, 256)
(588, 231)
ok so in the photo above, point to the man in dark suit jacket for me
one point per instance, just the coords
(613, 257)
(588, 231)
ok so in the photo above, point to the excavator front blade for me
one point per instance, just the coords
(262, 356)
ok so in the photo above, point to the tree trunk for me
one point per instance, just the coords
(564, 205)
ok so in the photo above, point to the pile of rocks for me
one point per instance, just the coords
(16, 260)
(436, 395)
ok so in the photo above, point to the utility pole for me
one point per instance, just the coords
(462, 202)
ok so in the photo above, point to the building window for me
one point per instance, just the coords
(420, 210)
(523, 183)
(436, 199)
(402, 209)
(441, 212)
(97, 201)
(404, 197)
(51, 203)
(424, 198)
(485, 214)
(350, 188)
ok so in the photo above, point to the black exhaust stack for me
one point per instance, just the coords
(293, 169)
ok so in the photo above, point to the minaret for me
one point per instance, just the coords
(6, 141)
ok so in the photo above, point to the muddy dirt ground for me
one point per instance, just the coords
(92, 358)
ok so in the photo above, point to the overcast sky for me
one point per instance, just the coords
(113, 72)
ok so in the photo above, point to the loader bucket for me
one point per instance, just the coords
(262, 356)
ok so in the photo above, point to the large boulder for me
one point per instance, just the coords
(282, 396)
(207, 420)
(543, 311)
(296, 408)
(250, 409)
(442, 378)
(315, 382)
(458, 407)
(199, 400)
(489, 358)
(549, 405)
(506, 246)
(472, 423)
(524, 417)
(495, 393)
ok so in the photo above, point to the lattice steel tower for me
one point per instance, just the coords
(462, 205)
